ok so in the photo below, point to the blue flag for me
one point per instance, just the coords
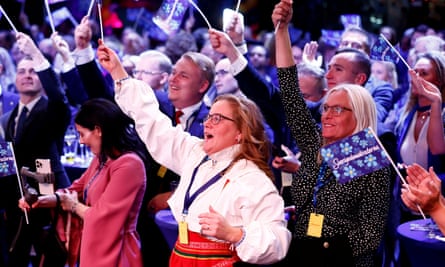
(170, 14)
(382, 51)
(355, 156)
(349, 20)
(331, 37)
(7, 163)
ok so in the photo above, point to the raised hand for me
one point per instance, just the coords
(61, 46)
(235, 29)
(109, 60)
(27, 45)
(83, 34)
(425, 89)
(221, 43)
(282, 14)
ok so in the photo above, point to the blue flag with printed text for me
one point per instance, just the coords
(382, 51)
(355, 156)
(7, 162)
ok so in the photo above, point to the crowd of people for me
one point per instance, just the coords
(238, 126)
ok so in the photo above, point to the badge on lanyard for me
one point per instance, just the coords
(315, 225)
(162, 171)
(183, 232)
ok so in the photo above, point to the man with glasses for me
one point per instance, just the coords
(153, 68)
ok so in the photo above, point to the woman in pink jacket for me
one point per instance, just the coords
(108, 196)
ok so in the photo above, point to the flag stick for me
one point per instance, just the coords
(90, 8)
(9, 20)
(276, 27)
(395, 168)
(237, 6)
(395, 50)
(18, 179)
(200, 12)
(99, 10)
(50, 17)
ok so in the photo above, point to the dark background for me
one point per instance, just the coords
(309, 15)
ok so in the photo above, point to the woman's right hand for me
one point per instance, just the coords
(282, 14)
(109, 60)
(23, 205)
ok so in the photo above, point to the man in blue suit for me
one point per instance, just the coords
(47, 117)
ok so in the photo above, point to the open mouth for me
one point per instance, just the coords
(208, 136)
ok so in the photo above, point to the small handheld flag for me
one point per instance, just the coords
(7, 163)
(349, 20)
(380, 50)
(354, 156)
(170, 15)
(383, 50)
(357, 155)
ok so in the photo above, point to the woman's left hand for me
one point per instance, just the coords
(67, 199)
(425, 88)
(215, 225)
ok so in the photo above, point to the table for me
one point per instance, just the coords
(422, 251)
(168, 225)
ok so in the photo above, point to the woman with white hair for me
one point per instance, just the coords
(341, 223)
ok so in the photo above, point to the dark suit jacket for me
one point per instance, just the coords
(267, 97)
(44, 129)
(42, 138)
(86, 81)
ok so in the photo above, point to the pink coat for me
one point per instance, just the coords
(115, 196)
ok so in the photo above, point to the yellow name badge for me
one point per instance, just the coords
(183, 232)
(315, 225)
(162, 171)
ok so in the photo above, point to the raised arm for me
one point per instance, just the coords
(281, 17)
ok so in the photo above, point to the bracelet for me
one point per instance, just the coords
(73, 207)
(119, 82)
(242, 238)
(57, 200)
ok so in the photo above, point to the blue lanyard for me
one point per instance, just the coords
(188, 200)
(85, 191)
(320, 182)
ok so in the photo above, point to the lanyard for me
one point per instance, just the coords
(85, 191)
(188, 200)
(320, 182)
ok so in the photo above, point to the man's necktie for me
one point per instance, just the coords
(21, 122)
(178, 114)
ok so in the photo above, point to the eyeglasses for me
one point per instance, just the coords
(253, 54)
(146, 72)
(336, 110)
(216, 118)
(221, 73)
(351, 44)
